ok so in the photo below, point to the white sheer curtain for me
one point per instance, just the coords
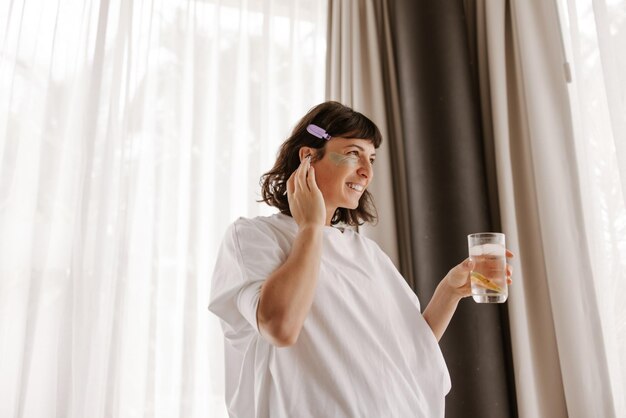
(594, 34)
(131, 134)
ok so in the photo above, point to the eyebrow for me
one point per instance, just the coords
(361, 148)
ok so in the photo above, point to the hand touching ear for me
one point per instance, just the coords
(306, 201)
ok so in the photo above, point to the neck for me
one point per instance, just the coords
(329, 215)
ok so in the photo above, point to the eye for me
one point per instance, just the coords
(372, 161)
(354, 153)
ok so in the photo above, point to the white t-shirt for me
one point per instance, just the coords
(364, 350)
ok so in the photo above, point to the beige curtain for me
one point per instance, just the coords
(560, 364)
(361, 74)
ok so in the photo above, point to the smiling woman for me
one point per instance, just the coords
(294, 292)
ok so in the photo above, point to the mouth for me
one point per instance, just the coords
(356, 187)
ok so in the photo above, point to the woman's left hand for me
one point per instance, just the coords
(458, 278)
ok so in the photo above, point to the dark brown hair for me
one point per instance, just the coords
(339, 121)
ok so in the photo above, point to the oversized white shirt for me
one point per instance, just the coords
(364, 350)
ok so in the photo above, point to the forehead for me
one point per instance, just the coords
(338, 143)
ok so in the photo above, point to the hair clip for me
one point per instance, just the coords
(318, 132)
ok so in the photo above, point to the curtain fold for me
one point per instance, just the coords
(448, 194)
(538, 376)
(560, 361)
(361, 74)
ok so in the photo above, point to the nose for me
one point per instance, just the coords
(366, 170)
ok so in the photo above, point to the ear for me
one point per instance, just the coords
(305, 151)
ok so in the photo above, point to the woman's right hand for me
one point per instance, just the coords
(306, 201)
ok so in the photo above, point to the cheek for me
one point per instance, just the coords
(321, 178)
(329, 181)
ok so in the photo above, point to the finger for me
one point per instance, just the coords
(509, 270)
(306, 171)
(509, 254)
(311, 182)
(291, 186)
(301, 174)
(462, 269)
(509, 281)
(293, 180)
(458, 276)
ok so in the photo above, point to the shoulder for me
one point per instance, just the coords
(275, 228)
(273, 224)
(252, 244)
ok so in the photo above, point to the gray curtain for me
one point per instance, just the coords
(448, 193)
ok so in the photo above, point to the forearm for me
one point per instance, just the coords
(287, 295)
(441, 308)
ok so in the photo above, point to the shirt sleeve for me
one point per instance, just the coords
(247, 256)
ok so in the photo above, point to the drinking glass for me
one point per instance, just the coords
(488, 278)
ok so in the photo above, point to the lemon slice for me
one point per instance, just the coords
(484, 282)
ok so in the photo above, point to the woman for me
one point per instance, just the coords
(318, 321)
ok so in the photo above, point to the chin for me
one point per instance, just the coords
(349, 203)
(350, 206)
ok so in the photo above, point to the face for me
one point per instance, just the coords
(344, 172)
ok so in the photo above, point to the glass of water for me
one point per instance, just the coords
(488, 278)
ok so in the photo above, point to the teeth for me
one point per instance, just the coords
(356, 187)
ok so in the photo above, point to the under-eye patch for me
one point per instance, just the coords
(340, 159)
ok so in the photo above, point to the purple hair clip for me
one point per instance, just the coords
(318, 132)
